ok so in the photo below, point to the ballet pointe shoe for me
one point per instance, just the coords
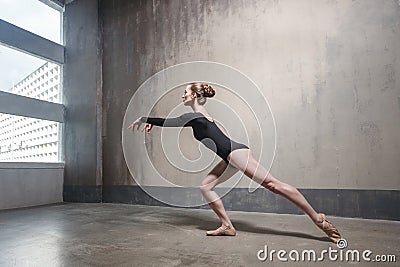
(223, 230)
(330, 230)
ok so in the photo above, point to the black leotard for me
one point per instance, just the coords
(204, 130)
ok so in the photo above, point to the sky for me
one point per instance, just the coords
(36, 17)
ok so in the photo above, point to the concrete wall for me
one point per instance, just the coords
(30, 184)
(82, 99)
(329, 69)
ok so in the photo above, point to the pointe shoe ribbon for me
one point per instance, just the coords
(330, 230)
(223, 230)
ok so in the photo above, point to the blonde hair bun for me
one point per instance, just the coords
(208, 91)
(202, 89)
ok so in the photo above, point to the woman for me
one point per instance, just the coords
(235, 156)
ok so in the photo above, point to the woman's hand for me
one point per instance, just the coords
(137, 123)
(148, 127)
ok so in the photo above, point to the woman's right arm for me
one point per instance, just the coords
(180, 121)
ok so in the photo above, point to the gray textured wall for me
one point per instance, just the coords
(330, 70)
(24, 184)
(82, 91)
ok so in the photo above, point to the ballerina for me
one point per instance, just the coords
(235, 156)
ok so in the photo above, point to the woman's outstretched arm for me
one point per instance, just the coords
(181, 121)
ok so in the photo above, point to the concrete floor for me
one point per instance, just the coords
(75, 234)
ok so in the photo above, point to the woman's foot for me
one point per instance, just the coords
(223, 230)
(328, 227)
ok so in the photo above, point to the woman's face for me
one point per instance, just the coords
(187, 96)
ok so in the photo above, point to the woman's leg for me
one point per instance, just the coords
(243, 159)
(219, 174)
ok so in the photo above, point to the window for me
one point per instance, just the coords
(31, 71)
(25, 139)
(33, 16)
(29, 76)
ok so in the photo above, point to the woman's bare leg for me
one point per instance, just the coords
(219, 174)
(243, 159)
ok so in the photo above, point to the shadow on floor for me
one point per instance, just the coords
(206, 223)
